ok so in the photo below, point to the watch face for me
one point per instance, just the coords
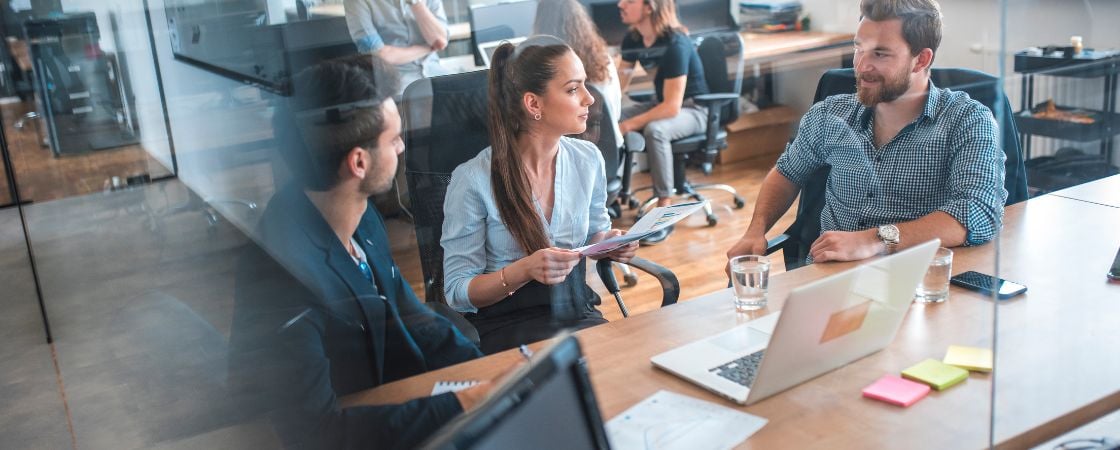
(888, 233)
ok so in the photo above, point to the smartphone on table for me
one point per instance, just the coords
(986, 284)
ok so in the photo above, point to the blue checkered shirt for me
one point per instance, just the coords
(949, 159)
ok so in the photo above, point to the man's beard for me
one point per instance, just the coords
(372, 185)
(889, 89)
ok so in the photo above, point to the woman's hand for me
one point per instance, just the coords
(622, 254)
(550, 265)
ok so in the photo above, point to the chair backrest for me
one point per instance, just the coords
(980, 86)
(600, 131)
(444, 126)
(722, 55)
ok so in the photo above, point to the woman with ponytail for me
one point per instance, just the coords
(512, 212)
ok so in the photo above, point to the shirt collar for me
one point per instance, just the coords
(929, 111)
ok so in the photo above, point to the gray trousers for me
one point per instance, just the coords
(659, 136)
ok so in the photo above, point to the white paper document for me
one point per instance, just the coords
(650, 223)
(451, 386)
(667, 420)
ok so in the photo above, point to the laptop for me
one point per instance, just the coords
(487, 49)
(824, 325)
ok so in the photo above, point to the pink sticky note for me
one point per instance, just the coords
(896, 391)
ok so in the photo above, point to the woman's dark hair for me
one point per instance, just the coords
(335, 106)
(513, 72)
(568, 20)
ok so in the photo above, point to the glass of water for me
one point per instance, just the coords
(934, 287)
(750, 276)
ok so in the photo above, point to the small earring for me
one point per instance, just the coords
(537, 116)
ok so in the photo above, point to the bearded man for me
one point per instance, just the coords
(909, 161)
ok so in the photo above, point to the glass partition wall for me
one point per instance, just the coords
(1061, 62)
(145, 144)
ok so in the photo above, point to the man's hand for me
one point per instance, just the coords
(626, 126)
(749, 244)
(846, 245)
(439, 44)
(471, 397)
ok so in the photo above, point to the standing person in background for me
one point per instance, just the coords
(659, 42)
(568, 20)
(404, 33)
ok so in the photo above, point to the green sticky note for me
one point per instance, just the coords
(969, 358)
(936, 374)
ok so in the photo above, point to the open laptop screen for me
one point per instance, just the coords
(548, 406)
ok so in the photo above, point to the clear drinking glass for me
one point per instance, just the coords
(750, 277)
(934, 287)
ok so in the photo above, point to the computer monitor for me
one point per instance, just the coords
(706, 16)
(607, 20)
(500, 21)
(700, 16)
(549, 404)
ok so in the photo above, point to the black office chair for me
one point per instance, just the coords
(445, 125)
(600, 131)
(722, 57)
(980, 86)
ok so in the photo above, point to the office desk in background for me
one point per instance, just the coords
(1055, 369)
(1105, 191)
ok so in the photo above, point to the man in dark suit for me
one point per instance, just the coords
(322, 310)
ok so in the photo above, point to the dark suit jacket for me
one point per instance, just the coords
(309, 328)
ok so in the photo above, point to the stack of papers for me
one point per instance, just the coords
(668, 420)
(650, 223)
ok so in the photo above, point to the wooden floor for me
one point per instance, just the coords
(43, 177)
(694, 252)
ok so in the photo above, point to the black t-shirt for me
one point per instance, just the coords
(672, 55)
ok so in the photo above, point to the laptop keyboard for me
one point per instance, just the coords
(742, 370)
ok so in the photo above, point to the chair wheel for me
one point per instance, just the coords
(712, 220)
(739, 202)
(631, 279)
(632, 203)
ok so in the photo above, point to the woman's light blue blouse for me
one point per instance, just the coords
(476, 242)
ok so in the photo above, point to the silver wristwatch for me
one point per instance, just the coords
(411, 2)
(889, 235)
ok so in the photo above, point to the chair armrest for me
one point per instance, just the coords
(634, 142)
(670, 287)
(641, 96)
(456, 319)
(714, 99)
(777, 243)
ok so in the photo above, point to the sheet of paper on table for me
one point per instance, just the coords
(667, 420)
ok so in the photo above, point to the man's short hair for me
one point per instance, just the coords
(335, 106)
(921, 20)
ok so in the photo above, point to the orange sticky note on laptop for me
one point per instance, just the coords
(969, 358)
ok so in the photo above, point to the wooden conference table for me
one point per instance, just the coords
(1105, 191)
(1056, 365)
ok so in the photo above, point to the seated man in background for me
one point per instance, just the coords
(909, 161)
(405, 36)
(326, 313)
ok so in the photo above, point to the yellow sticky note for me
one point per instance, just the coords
(971, 358)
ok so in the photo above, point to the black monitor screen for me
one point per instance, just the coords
(550, 406)
(706, 16)
(501, 21)
(608, 21)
